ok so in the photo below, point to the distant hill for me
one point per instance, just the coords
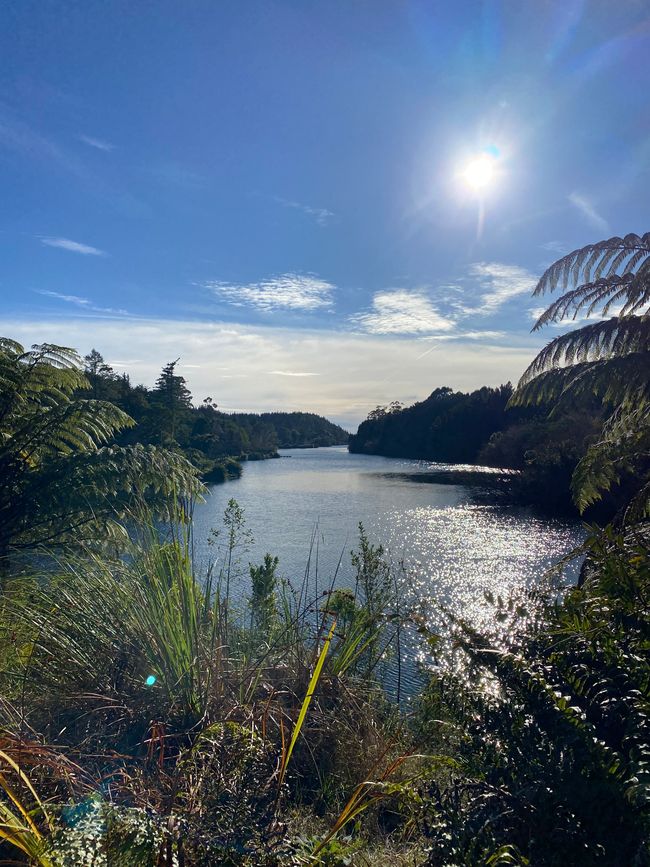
(295, 430)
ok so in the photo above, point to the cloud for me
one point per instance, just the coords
(555, 247)
(72, 246)
(18, 137)
(502, 281)
(291, 373)
(284, 292)
(358, 371)
(398, 311)
(588, 210)
(321, 215)
(468, 335)
(97, 143)
(84, 303)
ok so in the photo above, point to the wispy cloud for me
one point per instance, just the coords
(84, 303)
(588, 211)
(468, 335)
(321, 215)
(72, 246)
(18, 137)
(500, 283)
(291, 373)
(398, 311)
(98, 143)
(358, 371)
(178, 175)
(555, 247)
(284, 292)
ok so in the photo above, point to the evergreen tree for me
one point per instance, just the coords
(98, 373)
(174, 397)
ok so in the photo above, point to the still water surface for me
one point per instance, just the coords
(457, 541)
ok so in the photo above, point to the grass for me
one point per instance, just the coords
(151, 716)
(123, 664)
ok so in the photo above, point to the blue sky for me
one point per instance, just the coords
(274, 190)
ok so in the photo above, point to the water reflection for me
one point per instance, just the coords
(456, 539)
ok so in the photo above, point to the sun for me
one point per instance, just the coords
(479, 173)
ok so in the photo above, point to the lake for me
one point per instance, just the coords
(458, 539)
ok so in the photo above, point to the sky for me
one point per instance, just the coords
(277, 191)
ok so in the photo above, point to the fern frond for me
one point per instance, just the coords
(604, 293)
(60, 479)
(595, 261)
(625, 442)
(624, 380)
(615, 337)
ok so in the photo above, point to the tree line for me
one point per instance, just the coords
(214, 441)
(484, 428)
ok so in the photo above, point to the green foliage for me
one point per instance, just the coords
(263, 596)
(173, 398)
(447, 426)
(227, 799)
(94, 832)
(60, 480)
(367, 623)
(288, 430)
(103, 627)
(609, 359)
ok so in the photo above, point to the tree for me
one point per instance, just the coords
(608, 358)
(174, 396)
(262, 603)
(95, 365)
(61, 478)
(97, 372)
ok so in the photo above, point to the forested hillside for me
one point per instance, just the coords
(481, 428)
(447, 426)
(295, 430)
(214, 441)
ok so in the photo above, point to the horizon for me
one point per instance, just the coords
(321, 209)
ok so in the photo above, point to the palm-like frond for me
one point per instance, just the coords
(616, 271)
(603, 259)
(59, 476)
(608, 359)
(618, 336)
(624, 442)
(613, 381)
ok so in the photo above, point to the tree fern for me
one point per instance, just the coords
(608, 359)
(60, 477)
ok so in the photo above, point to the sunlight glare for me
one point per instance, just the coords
(480, 172)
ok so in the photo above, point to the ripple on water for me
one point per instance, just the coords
(457, 540)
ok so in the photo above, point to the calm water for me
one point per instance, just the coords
(456, 540)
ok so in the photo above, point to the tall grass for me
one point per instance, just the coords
(126, 662)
